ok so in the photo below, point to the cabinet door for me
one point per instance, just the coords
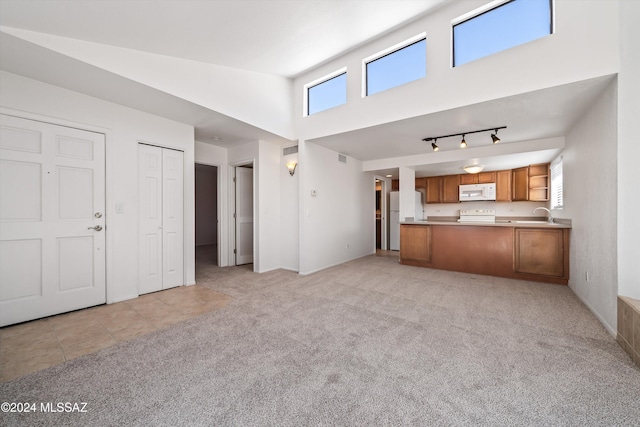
(450, 190)
(415, 242)
(503, 186)
(520, 184)
(468, 179)
(421, 184)
(539, 251)
(539, 182)
(395, 185)
(486, 177)
(434, 189)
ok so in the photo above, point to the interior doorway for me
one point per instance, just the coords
(243, 214)
(206, 217)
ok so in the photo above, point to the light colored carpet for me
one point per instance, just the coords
(369, 342)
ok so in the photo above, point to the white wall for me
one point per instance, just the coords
(124, 128)
(567, 56)
(590, 200)
(259, 99)
(338, 223)
(268, 210)
(289, 215)
(628, 151)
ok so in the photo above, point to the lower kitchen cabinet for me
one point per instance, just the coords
(415, 242)
(538, 254)
(539, 251)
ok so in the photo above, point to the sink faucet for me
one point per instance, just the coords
(550, 218)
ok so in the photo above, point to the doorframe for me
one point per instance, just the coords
(231, 225)
(384, 241)
(110, 162)
(219, 209)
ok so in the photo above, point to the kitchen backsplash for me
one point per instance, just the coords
(501, 208)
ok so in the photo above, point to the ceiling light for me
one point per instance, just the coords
(389, 176)
(473, 168)
(494, 137)
(463, 143)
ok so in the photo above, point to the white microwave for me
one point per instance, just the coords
(473, 192)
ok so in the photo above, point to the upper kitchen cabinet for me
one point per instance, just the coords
(468, 179)
(434, 189)
(450, 190)
(520, 184)
(395, 185)
(503, 186)
(486, 177)
(421, 184)
(539, 182)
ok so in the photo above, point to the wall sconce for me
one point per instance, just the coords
(291, 166)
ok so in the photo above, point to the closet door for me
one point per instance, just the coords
(161, 218)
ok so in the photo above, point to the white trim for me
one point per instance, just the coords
(306, 87)
(613, 331)
(384, 52)
(335, 264)
(479, 11)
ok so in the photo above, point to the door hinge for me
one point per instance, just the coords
(234, 214)
(234, 251)
(234, 179)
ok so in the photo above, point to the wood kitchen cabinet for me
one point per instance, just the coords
(395, 185)
(520, 184)
(539, 182)
(421, 184)
(415, 242)
(434, 189)
(450, 190)
(486, 177)
(503, 186)
(468, 179)
(541, 252)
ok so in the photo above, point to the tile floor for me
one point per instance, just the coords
(31, 346)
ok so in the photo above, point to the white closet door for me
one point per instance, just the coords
(244, 215)
(52, 237)
(172, 218)
(161, 218)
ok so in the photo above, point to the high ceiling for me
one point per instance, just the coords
(281, 37)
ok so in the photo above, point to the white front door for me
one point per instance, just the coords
(52, 236)
(161, 218)
(244, 215)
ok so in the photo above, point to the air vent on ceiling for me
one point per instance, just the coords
(342, 158)
(290, 150)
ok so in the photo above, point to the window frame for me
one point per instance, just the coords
(557, 190)
(386, 52)
(495, 4)
(317, 82)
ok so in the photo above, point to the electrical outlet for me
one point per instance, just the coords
(586, 275)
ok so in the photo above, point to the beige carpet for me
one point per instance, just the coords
(369, 342)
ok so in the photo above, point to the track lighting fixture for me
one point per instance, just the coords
(463, 142)
(494, 137)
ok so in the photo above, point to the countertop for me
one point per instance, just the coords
(498, 223)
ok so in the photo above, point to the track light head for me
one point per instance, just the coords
(435, 146)
(463, 143)
(494, 137)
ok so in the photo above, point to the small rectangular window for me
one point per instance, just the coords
(497, 28)
(557, 199)
(328, 92)
(393, 68)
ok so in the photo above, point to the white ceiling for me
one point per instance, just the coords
(282, 37)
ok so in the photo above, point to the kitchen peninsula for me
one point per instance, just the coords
(527, 250)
